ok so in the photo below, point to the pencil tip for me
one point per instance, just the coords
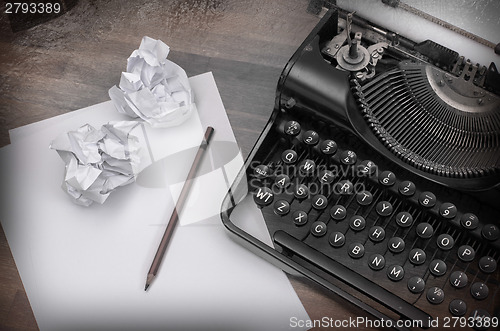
(149, 279)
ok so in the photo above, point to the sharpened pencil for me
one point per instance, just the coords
(174, 218)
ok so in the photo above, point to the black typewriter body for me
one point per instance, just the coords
(379, 171)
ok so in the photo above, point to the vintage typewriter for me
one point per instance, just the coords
(378, 175)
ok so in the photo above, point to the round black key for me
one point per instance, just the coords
(466, 253)
(366, 168)
(425, 230)
(262, 171)
(307, 167)
(490, 232)
(344, 187)
(348, 157)
(437, 267)
(479, 319)
(417, 256)
(487, 264)
(376, 234)
(448, 210)
(479, 290)
(263, 196)
(396, 245)
(457, 307)
(336, 239)
(299, 217)
(356, 250)
(407, 188)
(416, 284)
(282, 181)
(395, 272)
(318, 229)
(328, 147)
(376, 262)
(384, 208)
(364, 198)
(435, 295)
(469, 221)
(357, 223)
(301, 191)
(281, 207)
(326, 177)
(338, 212)
(310, 138)
(387, 178)
(319, 202)
(289, 156)
(404, 219)
(458, 279)
(445, 241)
(427, 199)
(292, 128)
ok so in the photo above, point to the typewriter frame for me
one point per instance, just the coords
(287, 98)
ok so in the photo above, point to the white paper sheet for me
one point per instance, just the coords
(85, 268)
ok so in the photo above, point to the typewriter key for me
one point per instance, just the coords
(479, 290)
(338, 212)
(404, 219)
(384, 208)
(328, 147)
(469, 221)
(416, 284)
(377, 233)
(435, 295)
(448, 210)
(263, 196)
(437, 267)
(427, 199)
(318, 229)
(310, 138)
(466, 253)
(367, 168)
(445, 241)
(425, 230)
(281, 207)
(417, 256)
(487, 264)
(387, 178)
(407, 188)
(458, 279)
(292, 128)
(490, 232)
(458, 307)
(395, 272)
(307, 167)
(377, 262)
(289, 156)
(336, 239)
(299, 217)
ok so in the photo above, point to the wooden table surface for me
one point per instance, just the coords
(71, 61)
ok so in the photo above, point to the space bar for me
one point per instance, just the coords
(355, 280)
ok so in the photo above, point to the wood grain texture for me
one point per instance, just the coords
(71, 61)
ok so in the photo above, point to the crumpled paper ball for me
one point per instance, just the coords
(99, 161)
(153, 88)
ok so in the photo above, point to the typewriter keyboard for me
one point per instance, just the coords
(420, 249)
